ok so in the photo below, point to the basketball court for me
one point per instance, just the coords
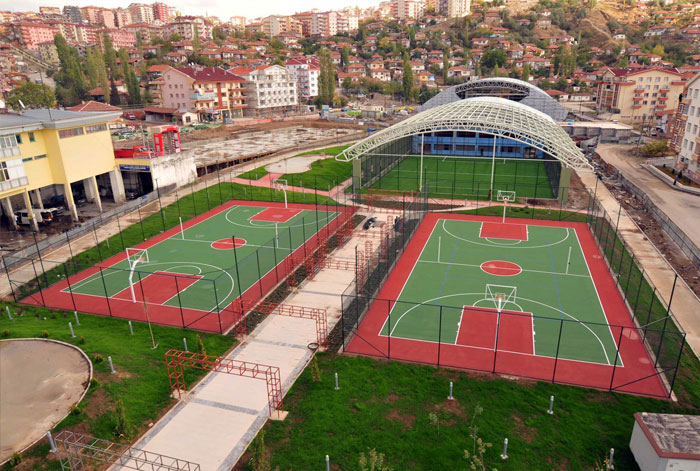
(522, 297)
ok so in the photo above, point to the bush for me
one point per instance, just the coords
(44, 334)
(200, 345)
(315, 370)
(75, 410)
(81, 340)
(94, 382)
(120, 427)
(16, 459)
(655, 149)
(97, 358)
(5, 333)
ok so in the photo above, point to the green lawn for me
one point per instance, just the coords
(141, 383)
(386, 406)
(468, 177)
(324, 174)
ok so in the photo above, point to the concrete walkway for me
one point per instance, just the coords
(216, 421)
(685, 305)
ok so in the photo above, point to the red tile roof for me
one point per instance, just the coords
(210, 74)
(94, 106)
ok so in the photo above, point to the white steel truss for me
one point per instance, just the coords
(489, 115)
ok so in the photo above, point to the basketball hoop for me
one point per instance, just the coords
(505, 196)
(281, 184)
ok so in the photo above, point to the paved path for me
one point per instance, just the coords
(217, 420)
(685, 306)
(681, 207)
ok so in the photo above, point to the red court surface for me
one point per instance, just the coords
(157, 286)
(513, 357)
(227, 244)
(59, 296)
(478, 328)
(275, 214)
(500, 230)
(501, 268)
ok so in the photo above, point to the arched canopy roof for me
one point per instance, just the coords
(495, 116)
(503, 87)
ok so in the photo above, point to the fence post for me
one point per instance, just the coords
(41, 262)
(238, 276)
(651, 305)
(143, 234)
(121, 237)
(617, 355)
(218, 308)
(440, 338)
(668, 313)
(629, 275)
(104, 285)
(194, 203)
(303, 231)
(675, 370)
(70, 289)
(257, 258)
(388, 334)
(38, 282)
(495, 345)
(9, 280)
(639, 290)
(556, 356)
(179, 302)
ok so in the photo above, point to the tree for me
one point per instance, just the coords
(494, 58)
(526, 72)
(110, 58)
(195, 39)
(407, 78)
(132, 83)
(91, 69)
(114, 99)
(347, 84)
(71, 86)
(326, 79)
(445, 67)
(32, 95)
(344, 56)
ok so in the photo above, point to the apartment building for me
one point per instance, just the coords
(73, 13)
(304, 19)
(407, 9)
(270, 89)
(48, 52)
(48, 152)
(161, 12)
(458, 8)
(122, 17)
(120, 37)
(213, 93)
(640, 95)
(324, 23)
(141, 13)
(687, 138)
(147, 32)
(306, 72)
(30, 35)
(98, 16)
(238, 22)
(185, 26)
(274, 25)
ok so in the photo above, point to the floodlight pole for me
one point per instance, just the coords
(420, 180)
(493, 167)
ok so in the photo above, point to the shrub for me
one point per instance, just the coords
(97, 358)
(75, 410)
(15, 459)
(45, 334)
(120, 427)
(81, 340)
(315, 370)
(200, 345)
(94, 382)
(260, 460)
(5, 333)
(655, 149)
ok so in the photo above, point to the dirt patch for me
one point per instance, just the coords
(392, 397)
(523, 430)
(451, 407)
(406, 419)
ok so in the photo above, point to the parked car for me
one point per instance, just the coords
(131, 194)
(22, 217)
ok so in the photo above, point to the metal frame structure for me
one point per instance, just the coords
(319, 315)
(176, 360)
(74, 447)
(504, 87)
(489, 115)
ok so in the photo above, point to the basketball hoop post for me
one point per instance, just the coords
(505, 206)
(182, 231)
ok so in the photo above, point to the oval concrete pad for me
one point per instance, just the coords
(295, 164)
(39, 382)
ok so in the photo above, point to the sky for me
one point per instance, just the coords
(224, 9)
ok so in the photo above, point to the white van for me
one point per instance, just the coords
(22, 217)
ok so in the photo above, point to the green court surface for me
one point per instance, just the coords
(468, 264)
(196, 268)
(469, 177)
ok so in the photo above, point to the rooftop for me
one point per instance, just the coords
(672, 435)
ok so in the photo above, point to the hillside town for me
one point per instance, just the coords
(501, 195)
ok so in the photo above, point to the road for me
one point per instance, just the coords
(682, 208)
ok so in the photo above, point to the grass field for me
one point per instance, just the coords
(387, 405)
(468, 177)
(141, 382)
(190, 277)
(530, 298)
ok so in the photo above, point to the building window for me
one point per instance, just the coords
(63, 133)
(27, 159)
(31, 136)
(42, 156)
(19, 138)
(95, 128)
(8, 141)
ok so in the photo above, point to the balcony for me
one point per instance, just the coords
(13, 183)
(10, 151)
(205, 96)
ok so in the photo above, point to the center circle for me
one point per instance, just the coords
(227, 244)
(501, 268)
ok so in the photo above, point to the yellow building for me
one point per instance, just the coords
(640, 95)
(48, 153)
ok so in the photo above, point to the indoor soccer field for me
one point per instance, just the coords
(191, 275)
(469, 177)
(522, 297)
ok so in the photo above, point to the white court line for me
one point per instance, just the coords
(600, 302)
(524, 270)
(503, 246)
(425, 244)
